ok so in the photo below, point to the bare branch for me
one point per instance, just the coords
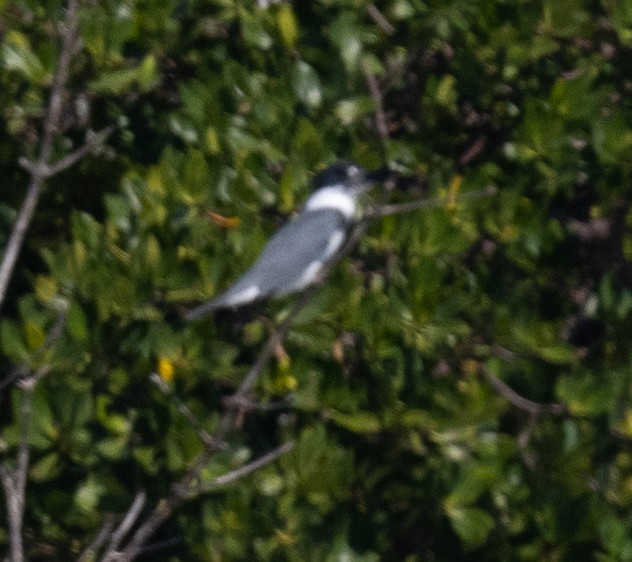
(376, 93)
(17, 234)
(524, 438)
(249, 468)
(132, 515)
(14, 482)
(90, 552)
(520, 402)
(473, 151)
(399, 208)
(185, 411)
(380, 20)
(42, 168)
(93, 142)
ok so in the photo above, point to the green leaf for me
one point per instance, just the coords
(16, 56)
(113, 448)
(585, 394)
(46, 468)
(473, 525)
(350, 110)
(307, 85)
(362, 422)
(77, 323)
(88, 494)
(12, 342)
(287, 24)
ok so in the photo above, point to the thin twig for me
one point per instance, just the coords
(380, 20)
(14, 482)
(376, 93)
(524, 438)
(22, 371)
(132, 515)
(520, 402)
(186, 412)
(160, 545)
(92, 143)
(242, 471)
(399, 208)
(90, 552)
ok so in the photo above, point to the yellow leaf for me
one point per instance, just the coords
(453, 191)
(222, 221)
(166, 369)
(212, 141)
(284, 384)
(34, 335)
(45, 288)
(288, 27)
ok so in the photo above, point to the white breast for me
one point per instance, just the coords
(335, 197)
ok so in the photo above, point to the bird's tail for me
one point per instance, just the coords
(204, 309)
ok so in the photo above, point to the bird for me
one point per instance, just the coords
(295, 256)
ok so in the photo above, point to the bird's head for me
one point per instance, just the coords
(350, 177)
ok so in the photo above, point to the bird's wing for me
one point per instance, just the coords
(290, 261)
(297, 249)
(301, 247)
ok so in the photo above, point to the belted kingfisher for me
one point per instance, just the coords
(295, 256)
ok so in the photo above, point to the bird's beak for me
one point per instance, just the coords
(379, 176)
(373, 177)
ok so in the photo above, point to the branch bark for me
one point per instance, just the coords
(399, 208)
(14, 482)
(43, 168)
(520, 402)
(249, 468)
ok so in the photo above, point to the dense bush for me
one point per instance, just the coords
(458, 389)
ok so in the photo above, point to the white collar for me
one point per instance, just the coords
(335, 197)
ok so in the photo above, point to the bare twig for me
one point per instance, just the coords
(398, 208)
(520, 402)
(14, 482)
(473, 151)
(524, 438)
(132, 515)
(93, 142)
(379, 19)
(503, 352)
(186, 412)
(90, 552)
(23, 371)
(249, 468)
(376, 93)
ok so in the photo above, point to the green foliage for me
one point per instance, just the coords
(404, 450)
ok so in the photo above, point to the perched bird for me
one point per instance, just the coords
(295, 256)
